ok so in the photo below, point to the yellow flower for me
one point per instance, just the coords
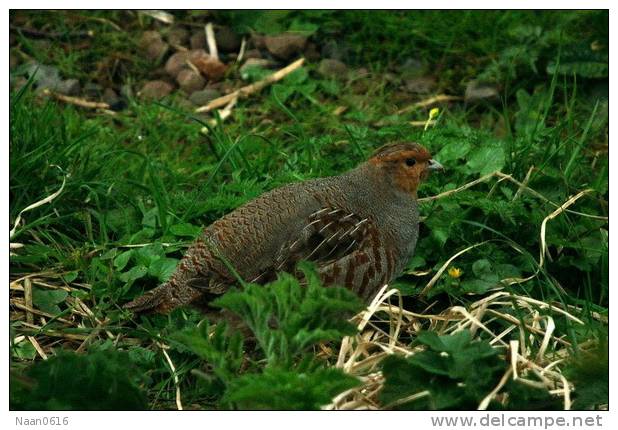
(432, 114)
(454, 272)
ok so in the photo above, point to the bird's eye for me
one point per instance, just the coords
(410, 162)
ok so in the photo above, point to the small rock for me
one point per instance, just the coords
(252, 53)
(44, 77)
(258, 41)
(176, 63)
(69, 87)
(210, 67)
(92, 90)
(190, 81)
(110, 97)
(285, 46)
(332, 49)
(412, 68)
(178, 36)
(155, 90)
(227, 40)
(422, 85)
(202, 97)
(153, 45)
(477, 91)
(311, 52)
(331, 68)
(198, 40)
(126, 91)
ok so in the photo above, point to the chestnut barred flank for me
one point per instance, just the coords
(359, 228)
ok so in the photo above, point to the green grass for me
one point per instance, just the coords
(141, 183)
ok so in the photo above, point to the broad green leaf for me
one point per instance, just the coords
(48, 300)
(486, 160)
(163, 268)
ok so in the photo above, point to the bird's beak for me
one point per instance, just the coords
(434, 165)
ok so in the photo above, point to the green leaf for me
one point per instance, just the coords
(288, 318)
(148, 254)
(122, 260)
(442, 372)
(163, 268)
(219, 348)
(486, 160)
(186, 230)
(134, 273)
(279, 389)
(48, 300)
(104, 380)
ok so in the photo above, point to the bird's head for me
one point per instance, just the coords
(404, 165)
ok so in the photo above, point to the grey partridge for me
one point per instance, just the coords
(359, 229)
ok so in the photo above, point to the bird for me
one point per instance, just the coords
(359, 229)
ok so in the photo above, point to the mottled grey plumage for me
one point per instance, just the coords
(359, 228)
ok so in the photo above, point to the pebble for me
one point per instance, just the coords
(69, 87)
(227, 40)
(153, 45)
(178, 36)
(331, 68)
(202, 97)
(176, 63)
(210, 67)
(285, 46)
(420, 85)
(155, 90)
(198, 40)
(478, 91)
(190, 81)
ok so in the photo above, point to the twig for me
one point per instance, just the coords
(38, 312)
(440, 98)
(28, 299)
(223, 115)
(241, 52)
(444, 266)
(248, 90)
(77, 101)
(50, 35)
(37, 204)
(505, 378)
(211, 41)
(38, 348)
(159, 15)
(174, 374)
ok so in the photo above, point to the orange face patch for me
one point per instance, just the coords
(406, 163)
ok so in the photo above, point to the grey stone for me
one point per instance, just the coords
(204, 96)
(285, 46)
(412, 68)
(92, 90)
(478, 91)
(198, 40)
(331, 68)
(227, 40)
(190, 81)
(176, 63)
(69, 87)
(153, 46)
(420, 85)
(155, 90)
(43, 77)
(178, 36)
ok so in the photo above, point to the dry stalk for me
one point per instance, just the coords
(251, 89)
